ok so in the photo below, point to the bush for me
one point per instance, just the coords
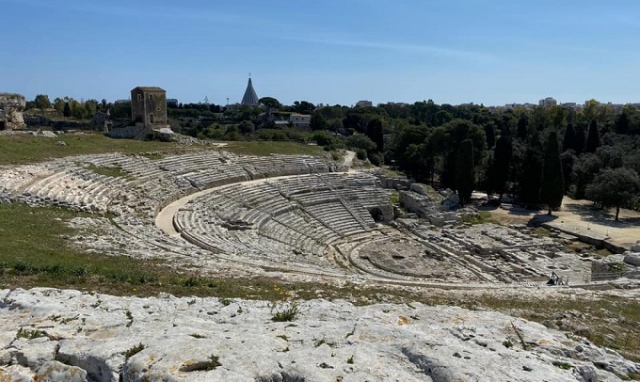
(359, 141)
(361, 154)
(376, 159)
(322, 138)
(286, 314)
(134, 350)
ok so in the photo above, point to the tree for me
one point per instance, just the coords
(246, 127)
(552, 181)
(375, 132)
(490, 132)
(579, 141)
(58, 104)
(303, 107)
(584, 170)
(502, 162)
(622, 123)
(356, 121)
(67, 110)
(615, 188)
(465, 171)
(42, 102)
(361, 141)
(318, 122)
(569, 138)
(593, 137)
(271, 103)
(568, 160)
(522, 127)
(531, 174)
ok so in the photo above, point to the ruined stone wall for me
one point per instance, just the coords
(126, 132)
(11, 107)
(13, 101)
(149, 107)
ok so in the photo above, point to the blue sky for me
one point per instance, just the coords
(328, 51)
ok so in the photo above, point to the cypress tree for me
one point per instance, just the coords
(531, 176)
(502, 163)
(375, 132)
(490, 134)
(622, 123)
(579, 141)
(465, 174)
(593, 137)
(552, 180)
(569, 138)
(522, 127)
(67, 110)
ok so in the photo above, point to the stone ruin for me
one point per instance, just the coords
(11, 108)
(294, 213)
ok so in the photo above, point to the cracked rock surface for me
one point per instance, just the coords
(67, 335)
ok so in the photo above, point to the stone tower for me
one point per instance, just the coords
(250, 97)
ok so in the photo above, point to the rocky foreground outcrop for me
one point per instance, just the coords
(66, 335)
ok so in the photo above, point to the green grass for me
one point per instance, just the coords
(481, 218)
(35, 254)
(20, 149)
(210, 364)
(114, 172)
(541, 231)
(268, 147)
(394, 197)
(134, 350)
(29, 334)
(287, 313)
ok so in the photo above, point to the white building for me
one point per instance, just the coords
(300, 120)
(549, 101)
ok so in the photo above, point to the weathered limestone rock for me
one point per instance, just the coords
(107, 338)
(54, 371)
(11, 107)
(12, 100)
(633, 259)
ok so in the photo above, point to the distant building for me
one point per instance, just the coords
(300, 120)
(549, 101)
(569, 105)
(364, 104)
(172, 103)
(250, 97)
(149, 106)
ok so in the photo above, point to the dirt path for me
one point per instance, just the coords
(581, 218)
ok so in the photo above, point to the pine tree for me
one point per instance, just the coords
(593, 137)
(569, 138)
(465, 171)
(552, 180)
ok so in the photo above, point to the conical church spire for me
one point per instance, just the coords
(250, 97)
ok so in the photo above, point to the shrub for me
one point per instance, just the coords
(134, 350)
(287, 313)
(212, 363)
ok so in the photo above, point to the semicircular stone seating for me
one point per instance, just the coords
(283, 219)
